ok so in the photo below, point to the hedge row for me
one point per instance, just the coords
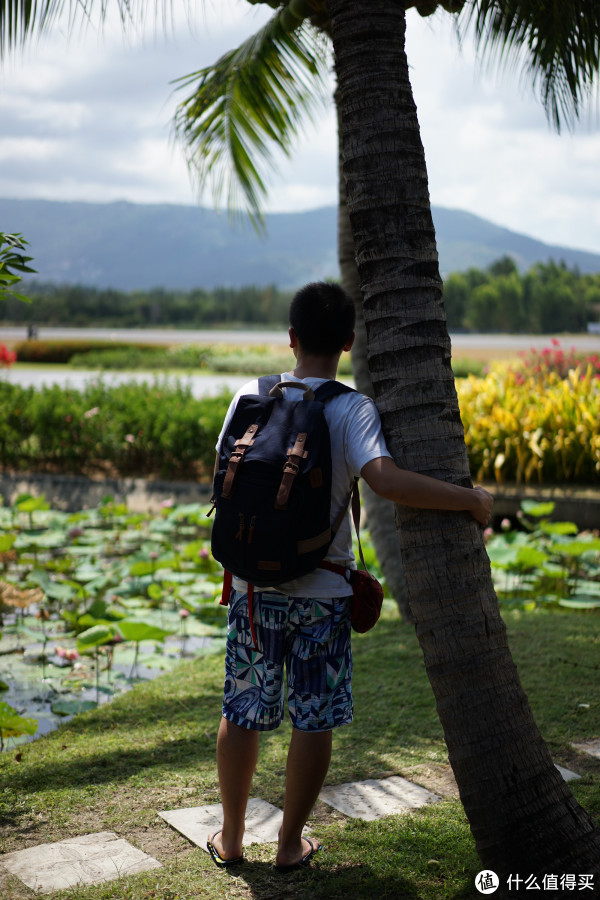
(134, 429)
(519, 427)
(62, 351)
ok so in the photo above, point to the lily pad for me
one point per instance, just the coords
(72, 707)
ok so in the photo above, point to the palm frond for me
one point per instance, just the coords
(555, 43)
(251, 101)
(21, 20)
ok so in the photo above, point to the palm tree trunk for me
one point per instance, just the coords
(380, 512)
(522, 815)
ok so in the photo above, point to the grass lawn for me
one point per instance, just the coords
(153, 749)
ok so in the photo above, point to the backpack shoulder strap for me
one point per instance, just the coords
(332, 389)
(266, 382)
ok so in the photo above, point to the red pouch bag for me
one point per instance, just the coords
(367, 593)
(367, 598)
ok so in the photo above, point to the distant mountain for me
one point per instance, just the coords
(129, 246)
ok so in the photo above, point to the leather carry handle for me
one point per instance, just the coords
(276, 390)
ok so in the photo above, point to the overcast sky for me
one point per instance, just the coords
(90, 119)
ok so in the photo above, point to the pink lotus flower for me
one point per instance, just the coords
(129, 438)
(91, 412)
(183, 613)
(66, 653)
(203, 553)
(167, 504)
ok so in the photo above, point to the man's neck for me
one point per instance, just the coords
(316, 367)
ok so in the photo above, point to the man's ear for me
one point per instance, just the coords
(350, 342)
(293, 338)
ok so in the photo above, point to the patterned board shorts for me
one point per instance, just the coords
(311, 637)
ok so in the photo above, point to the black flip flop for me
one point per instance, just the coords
(217, 858)
(314, 848)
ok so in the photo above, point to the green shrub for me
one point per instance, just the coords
(464, 366)
(146, 357)
(62, 351)
(16, 427)
(138, 429)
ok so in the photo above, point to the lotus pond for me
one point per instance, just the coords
(94, 601)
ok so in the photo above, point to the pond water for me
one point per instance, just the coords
(50, 688)
(94, 601)
(200, 385)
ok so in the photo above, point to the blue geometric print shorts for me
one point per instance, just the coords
(311, 638)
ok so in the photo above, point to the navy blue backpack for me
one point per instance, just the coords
(272, 487)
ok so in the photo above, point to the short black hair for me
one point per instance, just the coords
(322, 315)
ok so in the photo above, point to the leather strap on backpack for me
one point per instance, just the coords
(295, 455)
(236, 458)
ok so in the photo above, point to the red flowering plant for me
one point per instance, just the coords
(12, 262)
(7, 357)
(558, 360)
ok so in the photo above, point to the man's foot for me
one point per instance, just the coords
(214, 845)
(309, 848)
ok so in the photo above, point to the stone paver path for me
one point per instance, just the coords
(94, 858)
(567, 774)
(262, 822)
(591, 747)
(88, 859)
(372, 799)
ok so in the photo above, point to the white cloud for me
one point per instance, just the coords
(490, 150)
(90, 119)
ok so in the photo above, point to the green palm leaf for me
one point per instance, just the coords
(556, 44)
(21, 19)
(254, 98)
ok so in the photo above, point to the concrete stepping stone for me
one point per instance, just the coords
(567, 774)
(373, 799)
(263, 821)
(591, 747)
(88, 859)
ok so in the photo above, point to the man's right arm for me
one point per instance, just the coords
(413, 489)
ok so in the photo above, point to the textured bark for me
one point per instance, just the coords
(380, 512)
(522, 814)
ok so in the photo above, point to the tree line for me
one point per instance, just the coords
(80, 306)
(549, 298)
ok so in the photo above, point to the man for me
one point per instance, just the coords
(304, 625)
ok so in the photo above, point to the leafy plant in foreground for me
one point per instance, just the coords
(13, 260)
(14, 725)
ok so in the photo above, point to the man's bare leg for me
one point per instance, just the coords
(237, 752)
(308, 760)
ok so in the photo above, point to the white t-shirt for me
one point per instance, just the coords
(356, 439)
